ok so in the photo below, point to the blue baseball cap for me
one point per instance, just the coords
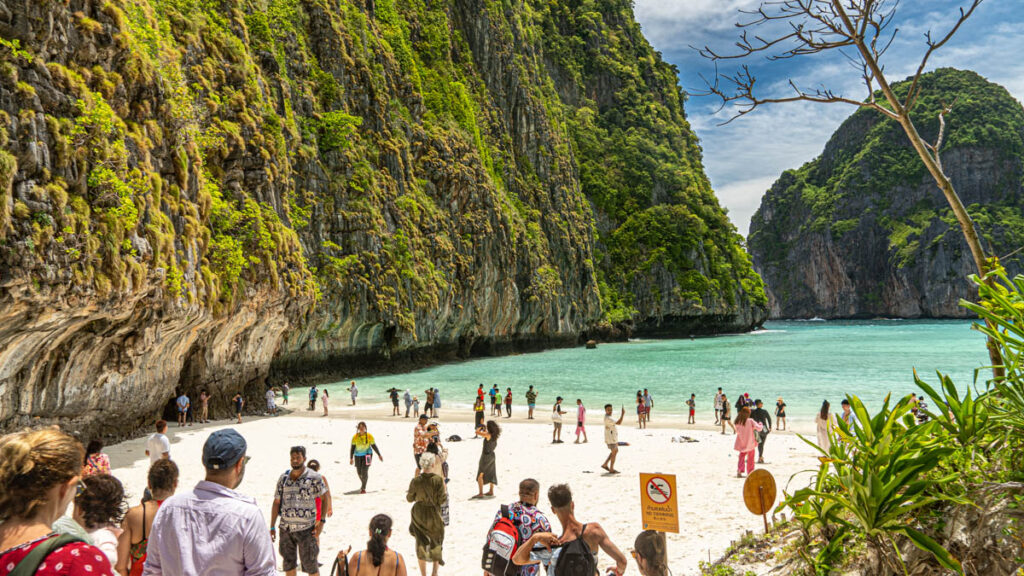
(223, 449)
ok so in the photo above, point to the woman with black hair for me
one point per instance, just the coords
(360, 454)
(96, 462)
(99, 509)
(377, 559)
(823, 423)
(487, 470)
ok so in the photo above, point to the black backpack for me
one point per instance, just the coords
(502, 542)
(576, 559)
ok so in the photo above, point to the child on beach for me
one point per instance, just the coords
(415, 407)
(692, 403)
(746, 440)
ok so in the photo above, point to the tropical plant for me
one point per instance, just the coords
(881, 468)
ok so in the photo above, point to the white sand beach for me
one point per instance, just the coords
(712, 513)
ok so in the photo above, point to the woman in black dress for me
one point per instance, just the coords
(487, 472)
(780, 414)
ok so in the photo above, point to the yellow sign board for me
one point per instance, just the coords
(658, 505)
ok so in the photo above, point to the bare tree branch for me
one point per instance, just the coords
(932, 47)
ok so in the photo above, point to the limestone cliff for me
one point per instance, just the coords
(197, 193)
(863, 231)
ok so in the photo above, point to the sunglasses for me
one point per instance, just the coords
(79, 488)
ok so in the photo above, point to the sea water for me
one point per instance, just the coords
(804, 362)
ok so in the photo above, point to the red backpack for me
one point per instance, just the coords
(502, 543)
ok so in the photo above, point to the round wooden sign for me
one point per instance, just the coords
(759, 492)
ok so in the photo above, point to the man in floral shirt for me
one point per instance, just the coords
(421, 439)
(528, 518)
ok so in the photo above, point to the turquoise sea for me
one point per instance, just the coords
(802, 361)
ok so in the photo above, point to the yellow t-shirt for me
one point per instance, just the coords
(363, 444)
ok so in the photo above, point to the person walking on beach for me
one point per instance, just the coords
(158, 447)
(353, 390)
(213, 529)
(284, 394)
(313, 392)
(611, 437)
(726, 414)
(648, 405)
(577, 547)
(478, 416)
(415, 406)
(239, 402)
(183, 405)
(39, 477)
(487, 469)
(581, 421)
(531, 402)
(746, 441)
(780, 413)
(393, 393)
(692, 405)
(361, 454)
(295, 503)
(377, 559)
(823, 424)
(528, 519)
(556, 418)
(408, 402)
(718, 407)
(323, 400)
(649, 554)
(508, 402)
(427, 493)
(436, 413)
(494, 399)
(162, 482)
(204, 406)
(761, 416)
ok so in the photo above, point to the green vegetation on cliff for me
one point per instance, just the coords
(870, 196)
(374, 159)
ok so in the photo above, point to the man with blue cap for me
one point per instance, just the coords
(212, 529)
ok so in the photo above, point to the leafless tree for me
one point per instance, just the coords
(862, 31)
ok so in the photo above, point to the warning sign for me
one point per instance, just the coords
(658, 502)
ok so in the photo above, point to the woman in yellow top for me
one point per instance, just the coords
(478, 415)
(361, 454)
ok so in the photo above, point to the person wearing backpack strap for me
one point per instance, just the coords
(40, 474)
(527, 518)
(574, 553)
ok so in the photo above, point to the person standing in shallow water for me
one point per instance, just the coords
(648, 405)
(354, 391)
(324, 399)
(361, 454)
(692, 405)
(487, 470)
(780, 413)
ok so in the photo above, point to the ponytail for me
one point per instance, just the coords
(651, 546)
(380, 530)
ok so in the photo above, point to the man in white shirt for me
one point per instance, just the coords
(611, 437)
(271, 402)
(158, 447)
(718, 407)
(212, 529)
(848, 416)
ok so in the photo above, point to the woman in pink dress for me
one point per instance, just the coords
(746, 440)
(581, 420)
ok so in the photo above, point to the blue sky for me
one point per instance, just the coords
(746, 156)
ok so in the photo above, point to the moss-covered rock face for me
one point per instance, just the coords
(197, 193)
(864, 231)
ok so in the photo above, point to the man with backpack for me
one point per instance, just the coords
(572, 553)
(519, 521)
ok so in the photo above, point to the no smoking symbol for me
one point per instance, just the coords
(658, 490)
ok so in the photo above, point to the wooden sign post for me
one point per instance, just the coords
(759, 493)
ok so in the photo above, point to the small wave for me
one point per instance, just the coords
(815, 319)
